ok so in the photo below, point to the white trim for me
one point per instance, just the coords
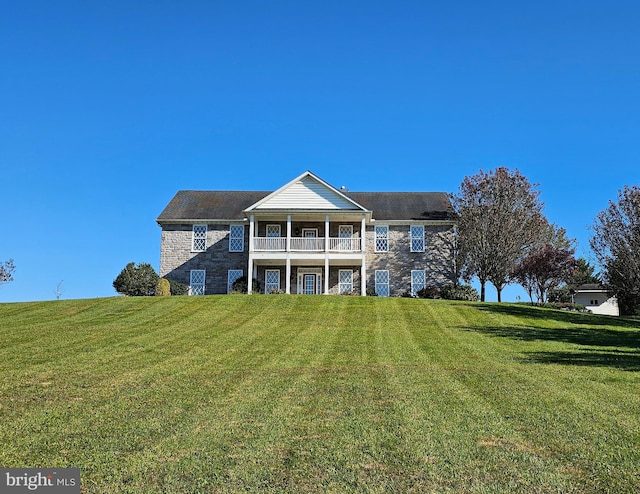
(300, 277)
(382, 286)
(232, 276)
(267, 287)
(376, 238)
(271, 226)
(199, 234)
(347, 286)
(415, 285)
(236, 238)
(197, 281)
(298, 179)
(416, 238)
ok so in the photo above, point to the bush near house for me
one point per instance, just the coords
(460, 292)
(163, 288)
(241, 285)
(178, 288)
(136, 280)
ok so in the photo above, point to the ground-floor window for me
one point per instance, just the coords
(382, 283)
(196, 281)
(345, 281)
(418, 281)
(232, 276)
(271, 280)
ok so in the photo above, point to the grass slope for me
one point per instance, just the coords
(324, 394)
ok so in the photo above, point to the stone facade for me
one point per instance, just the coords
(436, 260)
(177, 258)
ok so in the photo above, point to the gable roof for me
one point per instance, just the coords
(306, 192)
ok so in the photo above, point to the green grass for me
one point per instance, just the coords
(320, 394)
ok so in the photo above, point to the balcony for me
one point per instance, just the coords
(305, 244)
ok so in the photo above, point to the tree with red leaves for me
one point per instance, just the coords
(545, 269)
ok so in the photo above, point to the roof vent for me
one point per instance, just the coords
(344, 189)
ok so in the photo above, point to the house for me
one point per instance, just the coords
(596, 299)
(308, 237)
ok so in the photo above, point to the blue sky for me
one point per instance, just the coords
(107, 109)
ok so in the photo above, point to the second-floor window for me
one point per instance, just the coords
(236, 238)
(382, 238)
(273, 231)
(199, 238)
(417, 238)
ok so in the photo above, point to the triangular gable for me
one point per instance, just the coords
(307, 192)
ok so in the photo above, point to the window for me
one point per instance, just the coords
(418, 281)
(271, 280)
(594, 302)
(417, 238)
(382, 238)
(199, 238)
(382, 283)
(236, 238)
(345, 281)
(273, 231)
(232, 276)
(345, 234)
(196, 282)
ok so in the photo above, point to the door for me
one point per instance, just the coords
(309, 284)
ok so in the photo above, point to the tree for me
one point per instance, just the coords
(616, 244)
(544, 270)
(6, 271)
(136, 281)
(584, 274)
(500, 219)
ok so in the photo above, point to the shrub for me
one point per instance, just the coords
(460, 292)
(371, 292)
(429, 291)
(163, 288)
(136, 281)
(241, 285)
(178, 288)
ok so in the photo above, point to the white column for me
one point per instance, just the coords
(288, 234)
(326, 274)
(363, 278)
(250, 266)
(287, 282)
(363, 267)
(252, 229)
(326, 233)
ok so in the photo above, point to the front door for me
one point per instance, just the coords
(309, 284)
(309, 281)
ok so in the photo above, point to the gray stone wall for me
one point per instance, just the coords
(177, 260)
(436, 260)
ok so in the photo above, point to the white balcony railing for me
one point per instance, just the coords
(302, 244)
(270, 244)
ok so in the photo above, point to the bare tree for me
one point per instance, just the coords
(58, 291)
(500, 219)
(616, 244)
(6, 271)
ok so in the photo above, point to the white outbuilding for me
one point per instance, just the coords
(596, 299)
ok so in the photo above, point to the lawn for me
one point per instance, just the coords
(320, 394)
